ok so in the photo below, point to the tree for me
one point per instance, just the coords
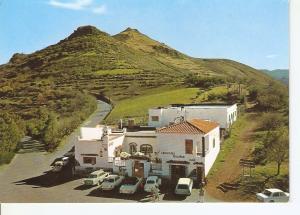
(278, 147)
(50, 134)
(271, 121)
(11, 131)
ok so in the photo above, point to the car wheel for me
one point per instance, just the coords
(271, 201)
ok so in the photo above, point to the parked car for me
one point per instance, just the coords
(130, 185)
(58, 165)
(151, 183)
(95, 178)
(184, 186)
(111, 182)
(273, 195)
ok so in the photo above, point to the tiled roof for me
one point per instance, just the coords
(194, 126)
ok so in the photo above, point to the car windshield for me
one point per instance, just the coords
(130, 181)
(182, 186)
(267, 193)
(150, 182)
(92, 176)
(111, 180)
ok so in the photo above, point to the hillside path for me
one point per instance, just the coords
(230, 169)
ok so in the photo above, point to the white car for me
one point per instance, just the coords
(184, 186)
(130, 185)
(111, 182)
(95, 178)
(273, 195)
(58, 165)
(152, 182)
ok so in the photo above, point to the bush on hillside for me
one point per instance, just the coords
(11, 132)
(271, 98)
(271, 121)
(203, 82)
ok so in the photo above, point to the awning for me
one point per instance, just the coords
(178, 162)
(89, 154)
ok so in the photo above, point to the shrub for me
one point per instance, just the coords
(271, 121)
(6, 157)
(203, 82)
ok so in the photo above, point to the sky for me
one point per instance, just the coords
(254, 32)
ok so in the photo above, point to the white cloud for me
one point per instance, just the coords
(87, 5)
(72, 5)
(100, 9)
(271, 56)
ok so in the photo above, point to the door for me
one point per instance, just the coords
(177, 171)
(138, 169)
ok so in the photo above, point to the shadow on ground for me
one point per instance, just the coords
(169, 194)
(139, 196)
(49, 178)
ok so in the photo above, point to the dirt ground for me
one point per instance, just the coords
(230, 170)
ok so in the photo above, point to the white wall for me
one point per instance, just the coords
(213, 151)
(113, 143)
(217, 114)
(140, 138)
(172, 147)
(85, 147)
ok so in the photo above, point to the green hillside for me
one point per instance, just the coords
(52, 87)
(278, 74)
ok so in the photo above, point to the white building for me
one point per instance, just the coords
(185, 149)
(225, 115)
(97, 147)
(188, 146)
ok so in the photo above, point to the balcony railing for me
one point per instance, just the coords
(200, 153)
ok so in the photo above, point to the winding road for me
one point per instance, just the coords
(32, 161)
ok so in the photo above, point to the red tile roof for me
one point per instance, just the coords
(194, 126)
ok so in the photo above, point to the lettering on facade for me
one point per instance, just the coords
(174, 155)
(168, 153)
(178, 156)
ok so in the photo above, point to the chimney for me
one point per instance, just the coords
(130, 123)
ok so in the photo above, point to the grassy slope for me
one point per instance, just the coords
(137, 107)
(123, 66)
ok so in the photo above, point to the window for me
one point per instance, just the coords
(276, 194)
(214, 143)
(146, 149)
(90, 160)
(132, 148)
(155, 118)
(188, 146)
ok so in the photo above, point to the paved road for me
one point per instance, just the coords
(26, 179)
(33, 161)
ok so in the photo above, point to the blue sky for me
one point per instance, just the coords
(254, 32)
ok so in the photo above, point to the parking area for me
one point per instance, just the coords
(63, 187)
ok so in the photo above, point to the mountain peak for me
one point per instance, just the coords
(131, 30)
(86, 30)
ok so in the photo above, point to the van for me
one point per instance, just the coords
(184, 186)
